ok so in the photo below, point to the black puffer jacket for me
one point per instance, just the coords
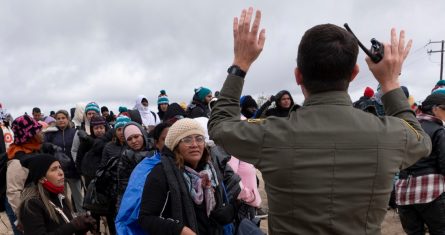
(64, 139)
(112, 149)
(129, 160)
(89, 155)
(435, 163)
(197, 109)
(91, 161)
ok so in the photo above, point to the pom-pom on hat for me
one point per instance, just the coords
(369, 92)
(180, 129)
(202, 92)
(163, 98)
(92, 106)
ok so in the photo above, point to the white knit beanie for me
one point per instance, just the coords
(180, 129)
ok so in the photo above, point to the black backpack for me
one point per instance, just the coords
(102, 191)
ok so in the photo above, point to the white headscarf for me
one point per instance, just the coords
(146, 115)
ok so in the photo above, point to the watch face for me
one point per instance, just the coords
(235, 70)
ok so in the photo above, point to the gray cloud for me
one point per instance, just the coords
(58, 53)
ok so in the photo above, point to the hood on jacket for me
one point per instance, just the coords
(138, 105)
(147, 143)
(278, 97)
(79, 114)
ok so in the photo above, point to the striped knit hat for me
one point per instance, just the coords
(163, 98)
(92, 106)
(121, 121)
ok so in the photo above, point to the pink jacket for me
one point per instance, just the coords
(249, 190)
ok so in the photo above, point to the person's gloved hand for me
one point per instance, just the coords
(272, 98)
(48, 148)
(84, 223)
(82, 134)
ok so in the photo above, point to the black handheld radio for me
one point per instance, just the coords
(377, 49)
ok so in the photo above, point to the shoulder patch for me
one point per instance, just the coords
(255, 120)
(412, 128)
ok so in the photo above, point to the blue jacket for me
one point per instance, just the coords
(127, 217)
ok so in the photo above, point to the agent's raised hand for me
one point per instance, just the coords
(248, 44)
(387, 71)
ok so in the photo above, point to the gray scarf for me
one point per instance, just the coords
(201, 185)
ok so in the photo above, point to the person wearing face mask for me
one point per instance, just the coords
(183, 194)
(149, 118)
(420, 192)
(138, 148)
(44, 209)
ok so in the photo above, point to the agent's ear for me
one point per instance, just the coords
(355, 71)
(298, 76)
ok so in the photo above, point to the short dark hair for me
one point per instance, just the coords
(36, 110)
(157, 131)
(326, 58)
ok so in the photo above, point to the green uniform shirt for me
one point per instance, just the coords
(328, 167)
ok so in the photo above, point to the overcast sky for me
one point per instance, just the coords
(57, 53)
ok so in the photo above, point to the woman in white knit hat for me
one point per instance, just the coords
(184, 194)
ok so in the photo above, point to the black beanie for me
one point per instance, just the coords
(38, 165)
(247, 101)
(431, 100)
(174, 110)
(104, 109)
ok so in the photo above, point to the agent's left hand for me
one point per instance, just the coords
(248, 44)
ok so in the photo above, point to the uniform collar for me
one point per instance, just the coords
(330, 98)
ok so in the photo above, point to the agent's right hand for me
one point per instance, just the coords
(84, 223)
(187, 231)
(387, 71)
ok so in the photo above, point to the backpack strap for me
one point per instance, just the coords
(154, 115)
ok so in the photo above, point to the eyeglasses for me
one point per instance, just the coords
(189, 140)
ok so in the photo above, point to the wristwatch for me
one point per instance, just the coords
(236, 70)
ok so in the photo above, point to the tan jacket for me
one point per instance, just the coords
(328, 167)
(15, 183)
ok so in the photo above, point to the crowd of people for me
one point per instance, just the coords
(329, 164)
